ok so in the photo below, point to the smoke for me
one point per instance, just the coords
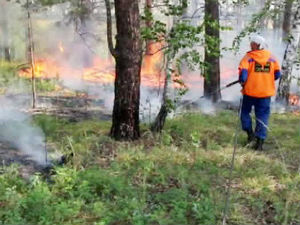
(103, 92)
(279, 108)
(74, 46)
(150, 103)
(16, 130)
(206, 107)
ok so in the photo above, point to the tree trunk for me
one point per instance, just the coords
(286, 25)
(290, 57)
(125, 121)
(166, 105)
(161, 117)
(7, 54)
(5, 31)
(212, 51)
(148, 7)
(31, 56)
(109, 29)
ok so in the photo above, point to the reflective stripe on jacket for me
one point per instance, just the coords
(258, 71)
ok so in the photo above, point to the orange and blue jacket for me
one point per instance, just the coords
(258, 71)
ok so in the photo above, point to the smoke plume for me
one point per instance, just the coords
(17, 130)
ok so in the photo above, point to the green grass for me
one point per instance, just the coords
(8, 75)
(178, 177)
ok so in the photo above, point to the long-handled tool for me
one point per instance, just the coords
(228, 185)
(220, 89)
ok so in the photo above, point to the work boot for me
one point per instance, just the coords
(251, 136)
(259, 144)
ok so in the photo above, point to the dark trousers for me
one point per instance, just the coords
(262, 114)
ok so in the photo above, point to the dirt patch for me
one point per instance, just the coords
(74, 108)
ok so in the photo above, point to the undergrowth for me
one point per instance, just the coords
(177, 177)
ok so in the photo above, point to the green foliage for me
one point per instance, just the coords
(166, 138)
(175, 9)
(254, 25)
(48, 85)
(50, 125)
(8, 75)
(241, 2)
(51, 2)
(193, 59)
(175, 178)
(195, 137)
(180, 41)
(157, 29)
(183, 35)
(155, 32)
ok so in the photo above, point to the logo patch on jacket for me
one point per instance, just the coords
(260, 68)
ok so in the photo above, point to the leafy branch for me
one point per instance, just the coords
(252, 26)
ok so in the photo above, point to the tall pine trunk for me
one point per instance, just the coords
(128, 55)
(4, 27)
(290, 57)
(212, 51)
(286, 25)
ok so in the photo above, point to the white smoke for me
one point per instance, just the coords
(50, 29)
(16, 130)
(278, 107)
(150, 103)
(206, 106)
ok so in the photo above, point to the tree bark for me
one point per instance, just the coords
(286, 25)
(5, 31)
(148, 7)
(161, 117)
(125, 121)
(109, 28)
(290, 57)
(212, 51)
(7, 54)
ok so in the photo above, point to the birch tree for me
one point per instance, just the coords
(290, 56)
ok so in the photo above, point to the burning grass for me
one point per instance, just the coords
(178, 177)
(95, 70)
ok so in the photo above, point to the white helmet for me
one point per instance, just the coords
(259, 40)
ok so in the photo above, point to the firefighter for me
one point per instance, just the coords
(258, 71)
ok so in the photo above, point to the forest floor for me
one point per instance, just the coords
(177, 177)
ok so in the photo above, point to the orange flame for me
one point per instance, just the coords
(101, 71)
(42, 69)
(294, 100)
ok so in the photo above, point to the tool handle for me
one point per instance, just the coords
(232, 83)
